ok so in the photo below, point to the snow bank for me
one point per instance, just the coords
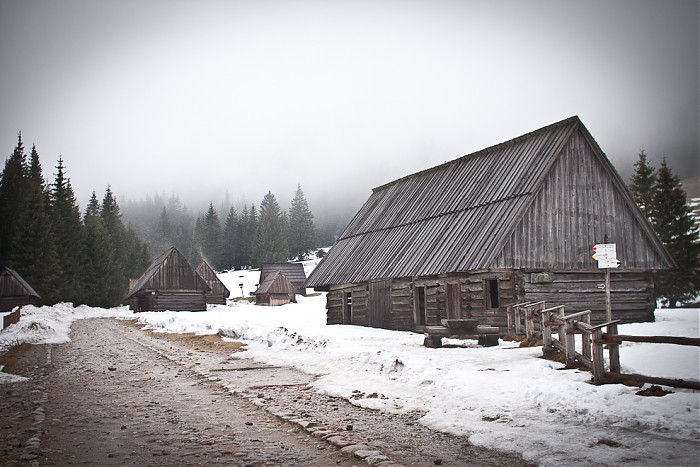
(502, 397)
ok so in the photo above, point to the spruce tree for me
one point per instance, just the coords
(112, 219)
(301, 229)
(270, 240)
(229, 240)
(209, 238)
(103, 277)
(642, 184)
(137, 257)
(13, 197)
(67, 229)
(673, 222)
(33, 252)
(247, 227)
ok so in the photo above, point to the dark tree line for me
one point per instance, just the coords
(62, 256)
(228, 238)
(660, 196)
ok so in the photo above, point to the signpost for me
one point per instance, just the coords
(606, 255)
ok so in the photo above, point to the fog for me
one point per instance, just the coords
(202, 98)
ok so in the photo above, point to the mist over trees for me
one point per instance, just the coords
(62, 257)
(228, 237)
(661, 197)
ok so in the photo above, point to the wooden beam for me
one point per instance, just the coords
(635, 379)
(619, 338)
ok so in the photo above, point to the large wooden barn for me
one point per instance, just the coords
(169, 283)
(509, 224)
(218, 292)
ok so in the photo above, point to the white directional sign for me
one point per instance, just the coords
(606, 255)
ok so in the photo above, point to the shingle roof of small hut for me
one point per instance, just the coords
(13, 285)
(212, 279)
(461, 215)
(294, 272)
(169, 271)
(276, 283)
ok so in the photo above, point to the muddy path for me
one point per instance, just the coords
(118, 395)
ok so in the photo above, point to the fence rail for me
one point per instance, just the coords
(553, 321)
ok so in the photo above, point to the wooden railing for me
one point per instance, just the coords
(524, 318)
(559, 330)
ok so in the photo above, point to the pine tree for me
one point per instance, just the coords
(673, 222)
(67, 229)
(112, 218)
(229, 240)
(642, 184)
(103, 277)
(137, 257)
(270, 240)
(164, 232)
(209, 238)
(247, 227)
(302, 232)
(13, 197)
(33, 246)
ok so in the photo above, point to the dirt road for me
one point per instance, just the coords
(118, 395)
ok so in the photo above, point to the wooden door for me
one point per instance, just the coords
(379, 304)
(454, 301)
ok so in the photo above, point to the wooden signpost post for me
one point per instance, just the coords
(606, 255)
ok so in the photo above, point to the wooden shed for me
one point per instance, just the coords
(294, 272)
(509, 224)
(218, 293)
(169, 283)
(15, 292)
(275, 290)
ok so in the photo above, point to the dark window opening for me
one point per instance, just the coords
(420, 306)
(347, 308)
(492, 299)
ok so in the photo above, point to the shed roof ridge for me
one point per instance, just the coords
(481, 152)
(437, 216)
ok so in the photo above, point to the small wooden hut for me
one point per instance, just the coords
(169, 283)
(294, 272)
(218, 293)
(15, 291)
(509, 224)
(275, 290)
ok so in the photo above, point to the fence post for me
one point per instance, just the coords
(509, 317)
(586, 338)
(570, 343)
(614, 350)
(597, 357)
(546, 329)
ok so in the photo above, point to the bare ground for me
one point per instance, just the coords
(118, 395)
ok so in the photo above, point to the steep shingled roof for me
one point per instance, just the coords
(276, 283)
(294, 272)
(13, 285)
(169, 271)
(455, 216)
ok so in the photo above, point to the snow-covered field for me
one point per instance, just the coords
(502, 397)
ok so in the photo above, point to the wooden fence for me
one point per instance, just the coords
(523, 320)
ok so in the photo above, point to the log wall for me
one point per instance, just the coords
(632, 297)
(632, 293)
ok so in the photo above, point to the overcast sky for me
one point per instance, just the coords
(202, 97)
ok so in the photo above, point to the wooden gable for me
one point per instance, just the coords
(218, 291)
(581, 201)
(170, 271)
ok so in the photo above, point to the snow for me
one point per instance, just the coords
(502, 397)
